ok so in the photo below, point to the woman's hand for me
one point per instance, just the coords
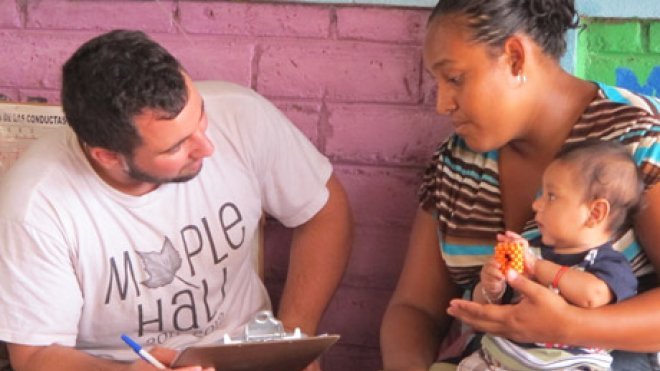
(539, 317)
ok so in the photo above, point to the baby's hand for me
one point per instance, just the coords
(492, 279)
(509, 236)
(530, 259)
(530, 262)
(512, 251)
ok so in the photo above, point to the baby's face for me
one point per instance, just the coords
(561, 212)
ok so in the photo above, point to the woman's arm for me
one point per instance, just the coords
(647, 227)
(415, 319)
(543, 316)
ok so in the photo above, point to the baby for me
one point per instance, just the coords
(591, 192)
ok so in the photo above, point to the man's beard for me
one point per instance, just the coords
(138, 174)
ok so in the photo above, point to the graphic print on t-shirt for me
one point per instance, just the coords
(180, 286)
(162, 266)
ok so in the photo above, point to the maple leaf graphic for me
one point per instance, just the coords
(162, 266)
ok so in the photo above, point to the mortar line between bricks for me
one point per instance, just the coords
(257, 51)
(646, 36)
(341, 162)
(293, 99)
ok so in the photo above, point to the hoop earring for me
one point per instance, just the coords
(521, 78)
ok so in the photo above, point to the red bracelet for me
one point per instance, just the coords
(560, 272)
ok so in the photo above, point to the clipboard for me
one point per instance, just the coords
(273, 355)
(264, 347)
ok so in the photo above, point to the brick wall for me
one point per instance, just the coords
(350, 77)
(623, 52)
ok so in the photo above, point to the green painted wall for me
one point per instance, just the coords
(622, 52)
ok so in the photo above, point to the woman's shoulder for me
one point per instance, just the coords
(619, 114)
(622, 96)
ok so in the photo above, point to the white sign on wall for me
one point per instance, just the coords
(21, 124)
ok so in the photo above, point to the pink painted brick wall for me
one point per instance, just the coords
(350, 77)
(10, 15)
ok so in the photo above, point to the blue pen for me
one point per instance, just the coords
(143, 353)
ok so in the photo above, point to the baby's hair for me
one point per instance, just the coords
(607, 170)
(494, 21)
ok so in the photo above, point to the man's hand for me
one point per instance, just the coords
(166, 356)
(539, 317)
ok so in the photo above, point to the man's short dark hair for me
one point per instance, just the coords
(114, 77)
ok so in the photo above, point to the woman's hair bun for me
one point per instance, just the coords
(493, 21)
(552, 16)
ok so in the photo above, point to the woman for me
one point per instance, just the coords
(496, 63)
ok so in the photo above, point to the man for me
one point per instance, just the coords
(143, 218)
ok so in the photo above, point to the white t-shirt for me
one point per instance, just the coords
(82, 263)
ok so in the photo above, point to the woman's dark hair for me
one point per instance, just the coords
(114, 77)
(493, 21)
(606, 170)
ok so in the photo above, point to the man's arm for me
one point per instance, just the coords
(415, 320)
(319, 253)
(543, 316)
(60, 358)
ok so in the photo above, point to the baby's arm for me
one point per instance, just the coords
(492, 285)
(577, 287)
(580, 288)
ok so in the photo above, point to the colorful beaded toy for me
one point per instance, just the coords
(510, 255)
